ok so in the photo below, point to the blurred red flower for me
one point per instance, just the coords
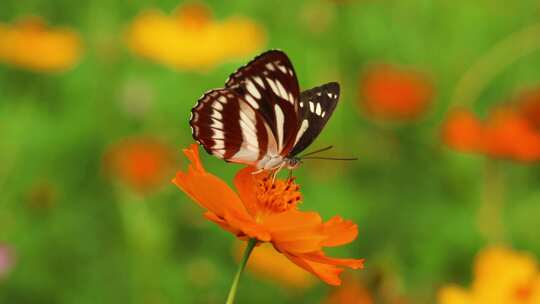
(142, 163)
(510, 132)
(394, 93)
(266, 210)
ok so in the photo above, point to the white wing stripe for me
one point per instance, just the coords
(218, 106)
(252, 89)
(218, 144)
(302, 130)
(318, 109)
(218, 134)
(217, 115)
(282, 91)
(280, 120)
(252, 102)
(216, 124)
(273, 86)
(259, 81)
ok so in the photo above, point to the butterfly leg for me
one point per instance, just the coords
(290, 175)
(276, 171)
(258, 171)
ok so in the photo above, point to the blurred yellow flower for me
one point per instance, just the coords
(190, 39)
(267, 263)
(30, 44)
(501, 276)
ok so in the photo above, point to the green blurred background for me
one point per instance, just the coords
(80, 235)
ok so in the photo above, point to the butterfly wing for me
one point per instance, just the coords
(316, 107)
(269, 84)
(228, 127)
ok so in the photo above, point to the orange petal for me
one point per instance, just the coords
(328, 273)
(300, 245)
(248, 226)
(320, 257)
(246, 182)
(221, 222)
(302, 239)
(326, 268)
(206, 189)
(291, 220)
(339, 231)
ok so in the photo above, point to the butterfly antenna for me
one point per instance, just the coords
(331, 158)
(316, 151)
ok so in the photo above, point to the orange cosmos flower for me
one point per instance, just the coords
(31, 45)
(501, 276)
(508, 132)
(140, 162)
(393, 93)
(264, 262)
(266, 210)
(191, 39)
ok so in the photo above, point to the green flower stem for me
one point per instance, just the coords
(232, 292)
(491, 210)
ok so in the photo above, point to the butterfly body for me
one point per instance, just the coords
(260, 118)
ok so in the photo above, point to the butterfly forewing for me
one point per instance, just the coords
(268, 83)
(316, 107)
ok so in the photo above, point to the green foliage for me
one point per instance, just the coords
(416, 202)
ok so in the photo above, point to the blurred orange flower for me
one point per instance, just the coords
(267, 263)
(30, 44)
(266, 210)
(511, 132)
(352, 291)
(501, 276)
(191, 39)
(529, 105)
(462, 131)
(393, 93)
(140, 162)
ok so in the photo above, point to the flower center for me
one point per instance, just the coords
(275, 196)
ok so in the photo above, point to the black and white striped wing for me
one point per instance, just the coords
(269, 84)
(316, 107)
(230, 128)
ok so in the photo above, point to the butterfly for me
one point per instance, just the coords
(260, 118)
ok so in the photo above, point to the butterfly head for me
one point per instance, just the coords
(292, 162)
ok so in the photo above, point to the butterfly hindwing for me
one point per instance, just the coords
(229, 128)
(269, 84)
(316, 107)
